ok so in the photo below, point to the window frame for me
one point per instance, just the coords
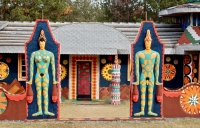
(20, 67)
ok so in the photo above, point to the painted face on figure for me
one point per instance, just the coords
(148, 40)
(148, 44)
(42, 45)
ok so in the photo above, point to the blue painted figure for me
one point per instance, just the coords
(43, 59)
(147, 59)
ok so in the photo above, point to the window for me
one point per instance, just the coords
(21, 67)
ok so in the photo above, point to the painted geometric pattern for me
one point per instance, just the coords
(169, 72)
(3, 102)
(191, 35)
(93, 74)
(190, 99)
(107, 72)
(190, 68)
(84, 79)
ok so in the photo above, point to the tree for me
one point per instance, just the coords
(154, 6)
(134, 10)
(84, 11)
(30, 10)
(122, 10)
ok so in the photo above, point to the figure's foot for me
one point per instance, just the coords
(152, 114)
(49, 113)
(139, 113)
(37, 113)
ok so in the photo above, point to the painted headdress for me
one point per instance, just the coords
(148, 36)
(42, 35)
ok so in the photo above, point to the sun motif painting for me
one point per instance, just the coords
(107, 72)
(190, 99)
(63, 72)
(4, 70)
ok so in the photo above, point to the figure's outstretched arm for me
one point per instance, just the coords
(159, 89)
(31, 68)
(53, 68)
(157, 69)
(136, 69)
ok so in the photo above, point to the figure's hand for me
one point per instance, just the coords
(135, 83)
(159, 84)
(29, 82)
(135, 93)
(29, 96)
(159, 94)
(54, 93)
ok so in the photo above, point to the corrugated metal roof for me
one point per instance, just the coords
(91, 38)
(180, 9)
(88, 37)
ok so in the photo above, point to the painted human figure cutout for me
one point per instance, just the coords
(42, 59)
(147, 59)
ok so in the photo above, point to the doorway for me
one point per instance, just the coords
(83, 80)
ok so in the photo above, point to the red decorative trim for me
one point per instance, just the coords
(16, 97)
(132, 60)
(94, 74)
(171, 94)
(58, 62)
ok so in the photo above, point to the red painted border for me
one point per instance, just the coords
(91, 58)
(58, 62)
(132, 60)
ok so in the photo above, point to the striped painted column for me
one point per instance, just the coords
(115, 93)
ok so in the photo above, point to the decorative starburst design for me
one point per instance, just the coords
(193, 100)
(107, 72)
(169, 72)
(63, 72)
(189, 99)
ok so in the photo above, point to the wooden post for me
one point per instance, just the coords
(146, 15)
(42, 14)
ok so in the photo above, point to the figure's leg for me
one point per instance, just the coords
(150, 99)
(45, 86)
(39, 96)
(143, 95)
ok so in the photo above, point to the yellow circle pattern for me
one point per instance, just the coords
(107, 72)
(103, 61)
(65, 62)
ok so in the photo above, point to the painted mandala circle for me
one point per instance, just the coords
(65, 62)
(4, 70)
(107, 72)
(186, 80)
(169, 72)
(190, 99)
(187, 70)
(175, 61)
(3, 102)
(187, 59)
(168, 59)
(103, 61)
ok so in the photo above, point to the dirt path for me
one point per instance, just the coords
(94, 110)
